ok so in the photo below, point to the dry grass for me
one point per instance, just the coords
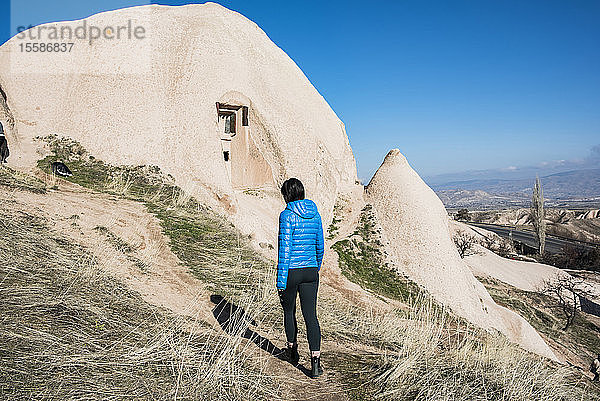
(427, 354)
(69, 331)
(17, 180)
(119, 183)
(582, 338)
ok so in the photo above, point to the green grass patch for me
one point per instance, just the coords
(333, 228)
(141, 183)
(362, 261)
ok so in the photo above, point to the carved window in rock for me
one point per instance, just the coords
(227, 121)
(228, 117)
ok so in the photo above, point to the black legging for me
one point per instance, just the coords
(304, 281)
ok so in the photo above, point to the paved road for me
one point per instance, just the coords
(553, 244)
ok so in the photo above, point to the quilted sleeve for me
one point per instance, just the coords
(284, 249)
(320, 243)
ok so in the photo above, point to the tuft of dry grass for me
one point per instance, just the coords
(426, 353)
(119, 183)
(438, 359)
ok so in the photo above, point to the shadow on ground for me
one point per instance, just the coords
(235, 321)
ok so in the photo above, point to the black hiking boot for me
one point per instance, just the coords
(291, 354)
(316, 369)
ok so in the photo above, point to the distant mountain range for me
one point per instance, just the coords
(569, 186)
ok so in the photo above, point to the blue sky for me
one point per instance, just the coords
(455, 85)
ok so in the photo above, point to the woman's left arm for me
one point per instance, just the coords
(320, 244)
(284, 250)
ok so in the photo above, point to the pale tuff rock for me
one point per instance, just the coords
(153, 101)
(527, 276)
(415, 223)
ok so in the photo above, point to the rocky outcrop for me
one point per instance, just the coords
(415, 224)
(590, 214)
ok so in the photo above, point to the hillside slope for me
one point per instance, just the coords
(368, 351)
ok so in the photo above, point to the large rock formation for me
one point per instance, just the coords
(154, 101)
(415, 224)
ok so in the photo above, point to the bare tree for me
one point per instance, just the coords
(566, 290)
(465, 243)
(538, 215)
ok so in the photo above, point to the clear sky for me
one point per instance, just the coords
(456, 85)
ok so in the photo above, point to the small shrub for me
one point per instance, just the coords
(465, 243)
(500, 246)
(576, 257)
(566, 290)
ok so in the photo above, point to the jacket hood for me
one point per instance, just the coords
(304, 208)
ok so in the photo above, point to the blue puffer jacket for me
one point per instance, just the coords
(300, 239)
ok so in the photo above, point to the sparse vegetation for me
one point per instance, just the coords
(123, 247)
(205, 242)
(69, 331)
(566, 290)
(140, 183)
(253, 192)
(560, 230)
(575, 257)
(333, 228)
(500, 246)
(426, 354)
(582, 337)
(463, 215)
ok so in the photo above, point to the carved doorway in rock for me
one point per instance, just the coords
(246, 166)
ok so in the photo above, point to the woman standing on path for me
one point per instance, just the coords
(301, 248)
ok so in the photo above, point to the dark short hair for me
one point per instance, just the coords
(292, 190)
